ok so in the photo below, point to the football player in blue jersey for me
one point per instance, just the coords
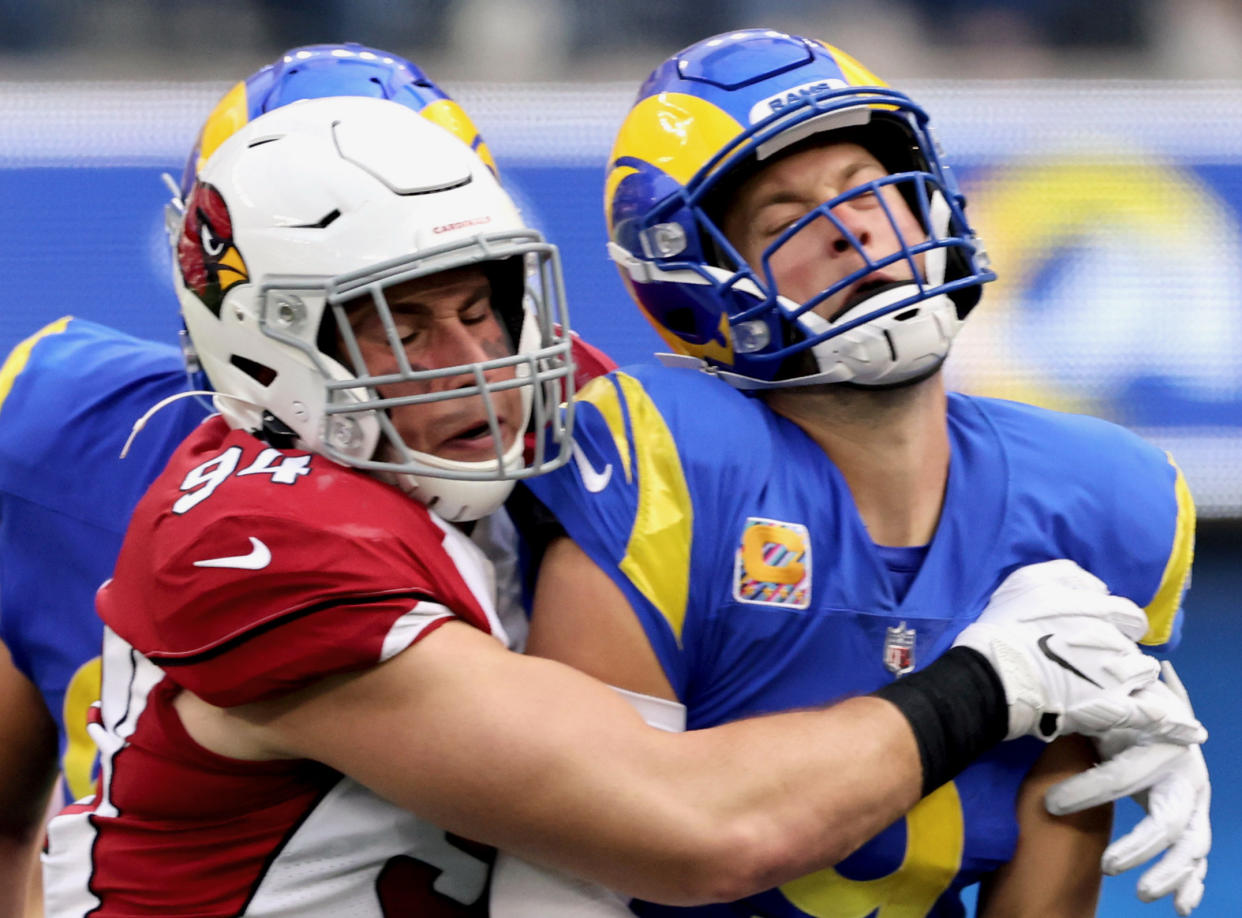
(795, 510)
(702, 818)
(69, 396)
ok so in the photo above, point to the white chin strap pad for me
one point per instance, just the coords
(887, 350)
(934, 260)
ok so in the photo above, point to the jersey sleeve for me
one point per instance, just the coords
(624, 499)
(1164, 610)
(1141, 542)
(324, 604)
(264, 586)
(1120, 506)
(69, 396)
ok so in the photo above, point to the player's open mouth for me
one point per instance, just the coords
(864, 289)
(476, 432)
(473, 442)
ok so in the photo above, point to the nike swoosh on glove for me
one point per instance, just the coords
(1064, 649)
(1171, 783)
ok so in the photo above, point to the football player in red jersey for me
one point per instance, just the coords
(307, 698)
(65, 494)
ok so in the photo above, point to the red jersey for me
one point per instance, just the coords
(249, 571)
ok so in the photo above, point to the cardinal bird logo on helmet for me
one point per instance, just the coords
(210, 263)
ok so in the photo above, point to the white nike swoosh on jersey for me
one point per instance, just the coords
(592, 480)
(258, 559)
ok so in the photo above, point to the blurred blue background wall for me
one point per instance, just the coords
(1097, 143)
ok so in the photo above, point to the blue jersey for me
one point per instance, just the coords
(738, 545)
(69, 396)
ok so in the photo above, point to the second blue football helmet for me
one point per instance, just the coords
(321, 71)
(713, 115)
(314, 72)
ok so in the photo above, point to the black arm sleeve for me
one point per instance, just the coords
(957, 709)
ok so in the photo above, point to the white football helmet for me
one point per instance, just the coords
(317, 204)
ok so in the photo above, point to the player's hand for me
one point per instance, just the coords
(1064, 649)
(1171, 783)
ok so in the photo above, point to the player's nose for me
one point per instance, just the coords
(848, 231)
(455, 344)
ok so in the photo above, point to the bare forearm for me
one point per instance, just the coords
(715, 815)
(565, 773)
(1055, 869)
(825, 783)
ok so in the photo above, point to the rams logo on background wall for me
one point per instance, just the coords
(1116, 277)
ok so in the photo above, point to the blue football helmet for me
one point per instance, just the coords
(320, 71)
(713, 115)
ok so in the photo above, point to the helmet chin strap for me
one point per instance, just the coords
(444, 496)
(885, 351)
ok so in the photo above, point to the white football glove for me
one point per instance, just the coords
(1064, 650)
(1171, 783)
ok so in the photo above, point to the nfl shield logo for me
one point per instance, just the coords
(899, 650)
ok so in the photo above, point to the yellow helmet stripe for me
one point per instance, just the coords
(451, 116)
(674, 132)
(854, 71)
(230, 115)
(614, 179)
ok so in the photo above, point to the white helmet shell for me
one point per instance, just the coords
(326, 201)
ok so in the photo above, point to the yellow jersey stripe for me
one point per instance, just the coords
(1162, 610)
(657, 559)
(20, 355)
(657, 555)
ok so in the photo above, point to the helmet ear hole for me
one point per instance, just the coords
(681, 321)
(263, 375)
